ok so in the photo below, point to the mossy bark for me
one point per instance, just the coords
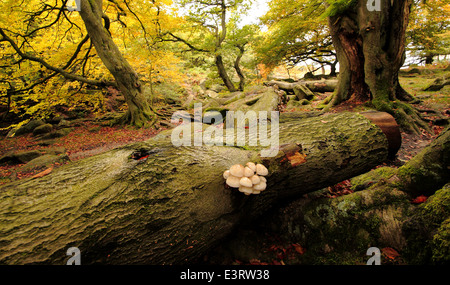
(172, 206)
(428, 169)
(139, 111)
(379, 214)
(370, 46)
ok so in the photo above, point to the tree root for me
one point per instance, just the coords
(138, 119)
(145, 119)
(407, 116)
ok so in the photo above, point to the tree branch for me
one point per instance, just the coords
(50, 67)
(178, 39)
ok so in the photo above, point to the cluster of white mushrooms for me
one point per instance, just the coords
(245, 178)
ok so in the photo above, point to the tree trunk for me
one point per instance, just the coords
(223, 74)
(139, 112)
(153, 203)
(370, 47)
(333, 68)
(238, 68)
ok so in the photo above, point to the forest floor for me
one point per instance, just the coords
(89, 136)
(258, 244)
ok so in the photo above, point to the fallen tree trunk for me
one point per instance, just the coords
(438, 84)
(385, 215)
(153, 203)
(313, 85)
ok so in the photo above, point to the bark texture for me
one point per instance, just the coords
(370, 47)
(139, 112)
(172, 206)
(340, 230)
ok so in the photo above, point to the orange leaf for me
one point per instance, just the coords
(43, 173)
(419, 199)
(390, 252)
(296, 159)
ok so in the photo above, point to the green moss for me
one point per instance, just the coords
(427, 230)
(441, 244)
(363, 181)
(437, 207)
(419, 178)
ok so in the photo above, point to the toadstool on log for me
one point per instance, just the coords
(244, 177)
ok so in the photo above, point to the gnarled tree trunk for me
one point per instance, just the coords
(370, 47)
(172, 205)
(223, 74)
(238, 68)
(139, 111)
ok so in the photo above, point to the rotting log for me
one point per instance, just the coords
(320, 86)
(340, 230)
(438, 84)
(153, 203)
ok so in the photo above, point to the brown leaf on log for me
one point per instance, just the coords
(296, 159)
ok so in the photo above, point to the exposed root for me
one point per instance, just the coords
(140, 119)
(407, 116)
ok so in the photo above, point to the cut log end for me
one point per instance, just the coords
(390, 128)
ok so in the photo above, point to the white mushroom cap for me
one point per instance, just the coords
(248, 172)
(246, 190)
(233, 181)
(245, 181)
(251, 165)
(226, 174)
(237, 170)
(260, 186)
(256, 192)
(255, 179)
(262, 179)
(261, 170)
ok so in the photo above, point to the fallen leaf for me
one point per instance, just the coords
(296, 159)
(390, 252)
(419, 199)
(43, 173)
